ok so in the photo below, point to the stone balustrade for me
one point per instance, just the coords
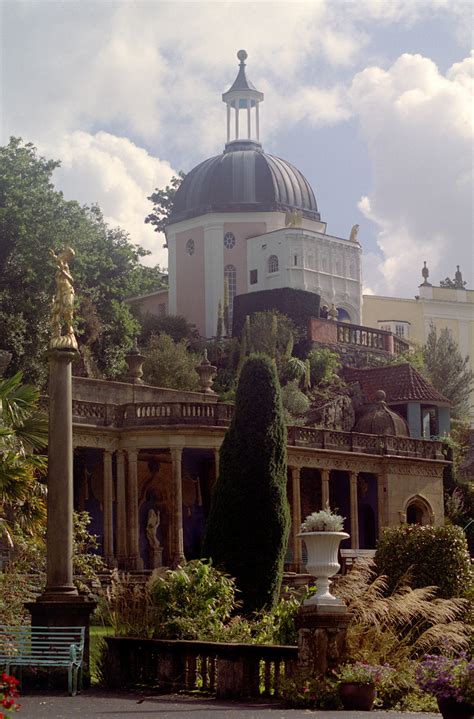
(230, 671)
(144, 414)
(348, 335)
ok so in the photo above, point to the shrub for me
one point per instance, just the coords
(248, 525)
(323, 366)
(170, 364)
(295, 402)
(434, 556)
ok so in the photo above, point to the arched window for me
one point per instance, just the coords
(343, 315)
(230, 282)
(418, 511)
(273, 263)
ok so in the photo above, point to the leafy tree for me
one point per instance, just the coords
(170, 364)
(323, 366)
(34, 218)
(163, 203)
(23, 434)
(247, 530)
(176, 326)
(448, 370)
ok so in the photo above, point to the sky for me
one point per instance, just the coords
(371, 99)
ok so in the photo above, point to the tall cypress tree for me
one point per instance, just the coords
(248, 526)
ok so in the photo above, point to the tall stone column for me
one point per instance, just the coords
(121, 511)
(134, 559)
(60, 478)
(296, 518)
(177, 543)
(60, 605)
(354, 510)
(381, 492)
(108, 509)
(324, 487)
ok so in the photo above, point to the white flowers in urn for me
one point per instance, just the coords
(322, 533)
(323, 521)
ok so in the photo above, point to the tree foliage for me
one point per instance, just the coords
(23, 434)
(163, 200)
(435, 556)
(170, 364)
(448, 370)
(34, 218)
(248, 525)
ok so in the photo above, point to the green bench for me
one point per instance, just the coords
(44, 647)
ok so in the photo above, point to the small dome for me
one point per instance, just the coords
(379, 419)
(243, 179)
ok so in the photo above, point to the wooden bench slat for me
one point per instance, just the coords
(44, 646)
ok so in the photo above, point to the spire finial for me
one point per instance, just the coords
(242, 55)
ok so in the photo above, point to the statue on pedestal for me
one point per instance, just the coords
(63, 303)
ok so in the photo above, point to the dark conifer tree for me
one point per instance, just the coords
(247, 530)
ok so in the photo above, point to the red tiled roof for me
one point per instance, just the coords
(400, 382)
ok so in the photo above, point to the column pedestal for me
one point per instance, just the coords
(321, 639)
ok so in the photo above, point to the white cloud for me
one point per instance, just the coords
(117, 175)
(418, 127)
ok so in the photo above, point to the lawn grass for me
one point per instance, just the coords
(96, 635)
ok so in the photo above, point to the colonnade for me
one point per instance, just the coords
(125, 552)
(123, 488)
(325, 475)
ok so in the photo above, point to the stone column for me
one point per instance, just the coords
(296, 517)
(381, 492)
(354, 510)
(324, 486)
(216, 462)
(134, 559)
(60, 605)
(177, 544)
(60, 478)
(121, 511)
(108, 509)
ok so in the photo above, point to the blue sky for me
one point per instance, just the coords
(370, 99)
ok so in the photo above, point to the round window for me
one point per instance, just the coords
(229, 240)
(190, 247)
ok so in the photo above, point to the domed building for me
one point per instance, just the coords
(245, 221)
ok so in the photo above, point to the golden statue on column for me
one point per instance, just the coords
(63, 304)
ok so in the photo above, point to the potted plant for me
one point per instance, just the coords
(451, 681)
(322, 533)
(358, 684)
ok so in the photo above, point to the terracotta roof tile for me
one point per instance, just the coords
(400, 382)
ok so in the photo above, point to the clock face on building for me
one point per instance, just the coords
(190, 247)
(229, 240)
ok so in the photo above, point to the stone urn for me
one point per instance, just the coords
(206, 372)
(322, 563)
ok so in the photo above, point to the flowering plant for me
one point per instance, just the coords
(361, 673)
(8, 694)
(447, 677)
(323, 521)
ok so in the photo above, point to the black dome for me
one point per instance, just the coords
(243, 179)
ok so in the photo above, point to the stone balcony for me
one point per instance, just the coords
(348, 337)
(199, 414)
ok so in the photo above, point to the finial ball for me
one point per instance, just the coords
(242, 55)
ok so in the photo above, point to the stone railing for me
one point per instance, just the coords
(219, 414)
(357, 337)
(163, 413)
(227, 670)
(363, 443)
(369, 338)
